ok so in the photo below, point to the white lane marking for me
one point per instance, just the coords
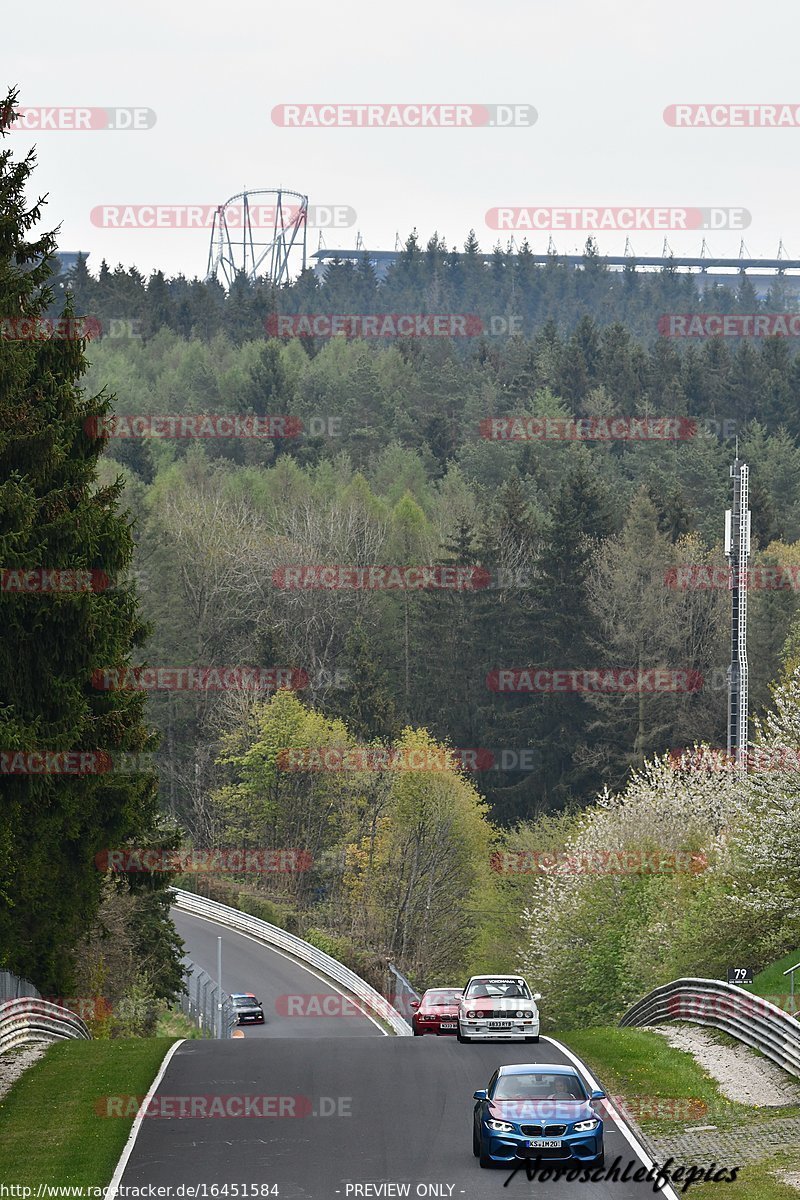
(668, 1190)
(137, 1122)
(288, 957)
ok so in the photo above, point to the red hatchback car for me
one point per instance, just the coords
(437, 1012)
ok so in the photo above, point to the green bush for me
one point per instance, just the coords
(370, 967)
(225, 891)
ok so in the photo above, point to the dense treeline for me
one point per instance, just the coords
(510, 291)
(578, 540)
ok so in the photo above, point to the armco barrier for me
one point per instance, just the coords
(29, 1021)
(304, 952)
(744, 1016)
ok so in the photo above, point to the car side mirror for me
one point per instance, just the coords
(537, 995)
(413, 1004)
(480, 1095)
(598, 1094)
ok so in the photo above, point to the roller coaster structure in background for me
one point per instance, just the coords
(259, 233)
(263, 234)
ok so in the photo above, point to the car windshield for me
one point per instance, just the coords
(244, 1001)
(539, 1085)
(501, 989)
(442, 996)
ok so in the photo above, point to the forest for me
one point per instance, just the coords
(328, 555)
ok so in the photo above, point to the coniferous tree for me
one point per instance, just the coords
(581, 516)
(54, 516)
(365, 702)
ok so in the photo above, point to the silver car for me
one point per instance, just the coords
(498, 1008)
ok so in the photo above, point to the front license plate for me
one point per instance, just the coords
(499, 1024)
(543, 1144)
(447, 1025)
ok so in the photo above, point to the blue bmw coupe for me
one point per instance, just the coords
(537, 1111)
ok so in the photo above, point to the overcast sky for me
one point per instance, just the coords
(598, 74)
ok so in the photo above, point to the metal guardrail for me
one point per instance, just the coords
(748, 1018)
(29, 1021)
(790, 973)
(200, 1000)
(304, 952)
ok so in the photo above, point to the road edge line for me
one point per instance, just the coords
(668, 1190)
(127, 1150)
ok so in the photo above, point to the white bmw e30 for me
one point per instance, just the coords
(498, 1008)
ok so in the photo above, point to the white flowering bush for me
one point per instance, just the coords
(694, 865)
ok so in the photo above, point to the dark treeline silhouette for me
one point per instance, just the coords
(429, 279)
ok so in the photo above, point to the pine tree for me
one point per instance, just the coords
(53, 515)
(365, 703)
(450, 652)
(581, 515)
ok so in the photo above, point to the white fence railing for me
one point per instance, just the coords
(13, 986)
(304, 952)
(406, 997)
(30, 1021)
(200, 1002)
(749, 1018)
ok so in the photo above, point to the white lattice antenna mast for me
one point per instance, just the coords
(737, 549)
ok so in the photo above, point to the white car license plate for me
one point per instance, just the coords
(499, 1024)
(447, 1025)
(543, 1144)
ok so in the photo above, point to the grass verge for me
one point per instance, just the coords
(772, 981)
(650, 1074)
(49, 1129)
(665, 1090)
(756, 1181)
(172, 1023)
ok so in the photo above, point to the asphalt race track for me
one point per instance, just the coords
(356, 1110)
(248, 966)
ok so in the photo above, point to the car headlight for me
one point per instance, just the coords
(528, 1014)
(500, 1126)
(586, 1126)
(472, 1015)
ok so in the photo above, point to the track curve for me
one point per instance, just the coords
(279, 983)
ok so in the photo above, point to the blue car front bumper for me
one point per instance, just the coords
(575, 1147)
